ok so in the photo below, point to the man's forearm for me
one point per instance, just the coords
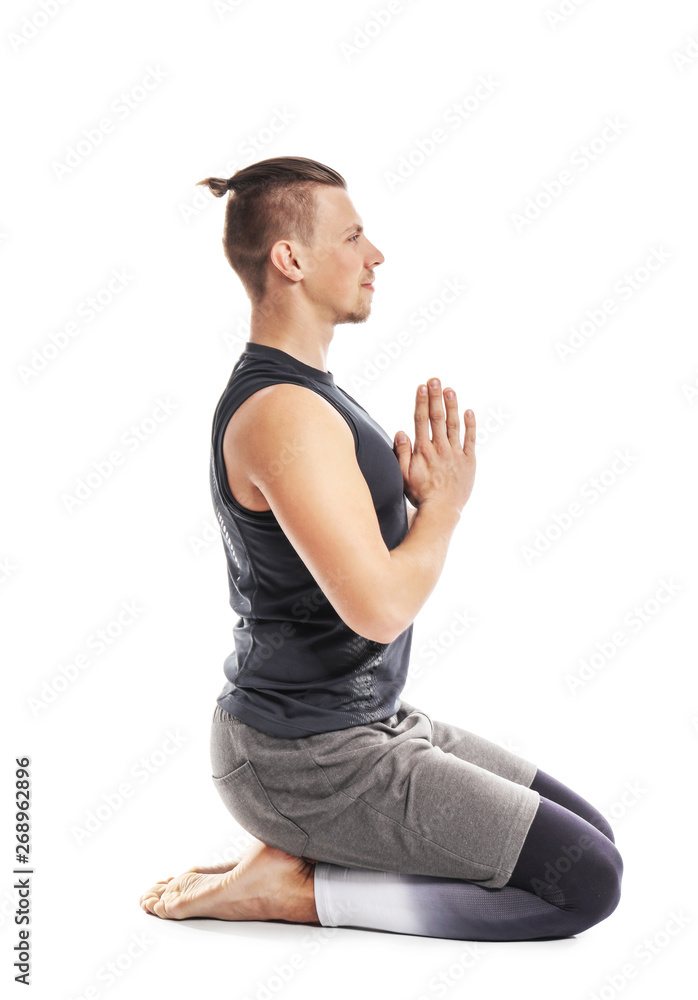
(417, 562)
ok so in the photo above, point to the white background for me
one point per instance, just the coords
(363, 98)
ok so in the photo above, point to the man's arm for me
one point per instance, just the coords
(299, 451)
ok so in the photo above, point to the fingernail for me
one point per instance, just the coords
(422, 390)
(434, 383)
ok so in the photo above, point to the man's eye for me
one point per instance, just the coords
(352, 238)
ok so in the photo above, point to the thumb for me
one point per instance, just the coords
(403, 451)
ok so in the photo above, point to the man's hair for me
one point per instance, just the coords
(270, 200)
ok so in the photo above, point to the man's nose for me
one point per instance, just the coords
(375, 256)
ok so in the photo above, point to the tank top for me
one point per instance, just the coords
(296, 668)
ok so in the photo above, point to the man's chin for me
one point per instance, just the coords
(359, 316)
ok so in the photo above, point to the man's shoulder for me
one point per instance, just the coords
(269, 413)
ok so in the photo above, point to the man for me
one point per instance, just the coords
(413, 824)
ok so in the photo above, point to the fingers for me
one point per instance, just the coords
(452, 418)
(445, 426)
(421, 419)
(403, 451)
(470, 431)
(436, 412)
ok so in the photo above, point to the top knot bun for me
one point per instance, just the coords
(217, 185)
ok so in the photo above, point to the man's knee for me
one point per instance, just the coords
(602, 877)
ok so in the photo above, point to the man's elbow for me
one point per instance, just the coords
(376, 633)
(370, 613)
(383, 628)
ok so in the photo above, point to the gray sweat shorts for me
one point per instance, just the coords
(408, 794)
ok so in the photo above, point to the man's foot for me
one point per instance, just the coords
(226, 866)
(264, 883)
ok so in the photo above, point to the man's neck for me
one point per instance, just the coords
(296, 340)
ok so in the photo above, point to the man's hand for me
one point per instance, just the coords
(439, 468)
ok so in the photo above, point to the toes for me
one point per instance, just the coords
(160, 909)
(154, 893)
(172, 903)
(159, 903)
(148, 900)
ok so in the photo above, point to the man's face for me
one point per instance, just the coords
(340, 265)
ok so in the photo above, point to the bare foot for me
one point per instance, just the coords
(264, 883)
(226, 866)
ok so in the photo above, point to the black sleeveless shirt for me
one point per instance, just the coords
(296, 668)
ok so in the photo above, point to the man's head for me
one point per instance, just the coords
(291, 228)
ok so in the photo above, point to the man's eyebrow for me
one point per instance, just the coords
(354, 226)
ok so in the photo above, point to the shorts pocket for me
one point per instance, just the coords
(248, 803)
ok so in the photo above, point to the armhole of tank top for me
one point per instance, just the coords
(349, 419)
(268, 516)
(258, 516)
